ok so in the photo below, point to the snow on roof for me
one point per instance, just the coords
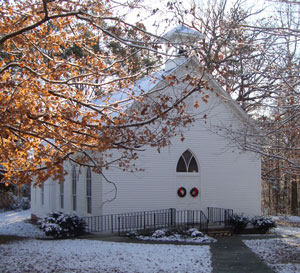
(182, 31)
(179, 34)
(145, 84)
(148, 83)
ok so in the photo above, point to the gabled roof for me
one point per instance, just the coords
(149, 83)
(222, 93)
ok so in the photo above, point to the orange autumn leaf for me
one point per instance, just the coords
(67, 72)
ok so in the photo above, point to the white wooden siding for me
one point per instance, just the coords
(227, 178)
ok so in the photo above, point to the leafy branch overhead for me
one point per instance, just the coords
(67, 70)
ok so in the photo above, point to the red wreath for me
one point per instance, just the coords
(194, 192)
(181, 192)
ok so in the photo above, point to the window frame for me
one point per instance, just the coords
(61, 194)
(43, 194)
(74, 189)
(186, 168)
(89, 190)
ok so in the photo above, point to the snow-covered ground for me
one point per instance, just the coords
(282, 230)
(191, 235)
(287, 218)
(33, 255)
(13, 223)
(98, 256)
(36, 255)
(281, 254)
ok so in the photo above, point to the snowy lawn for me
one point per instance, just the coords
(98, 256)
(32, 255)
(281, 254)
(287, 218)
(287, 221)
(282, 230)
(13, 223)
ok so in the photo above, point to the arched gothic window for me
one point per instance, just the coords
(187, 163)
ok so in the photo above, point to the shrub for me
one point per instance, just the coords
(238, 223)
(60, 225)
(20, 202)
(165, 232)
(183, 232)
(194, 232)
(8, 201)
(263, 224)
(159, 233)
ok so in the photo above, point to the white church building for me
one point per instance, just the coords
(204, 170)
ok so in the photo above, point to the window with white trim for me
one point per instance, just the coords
(89, 190)
(187, 163)
(74, 188)
(61, 195)
(42, 194)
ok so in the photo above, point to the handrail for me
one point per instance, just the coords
(219, 215)
(146, 219)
